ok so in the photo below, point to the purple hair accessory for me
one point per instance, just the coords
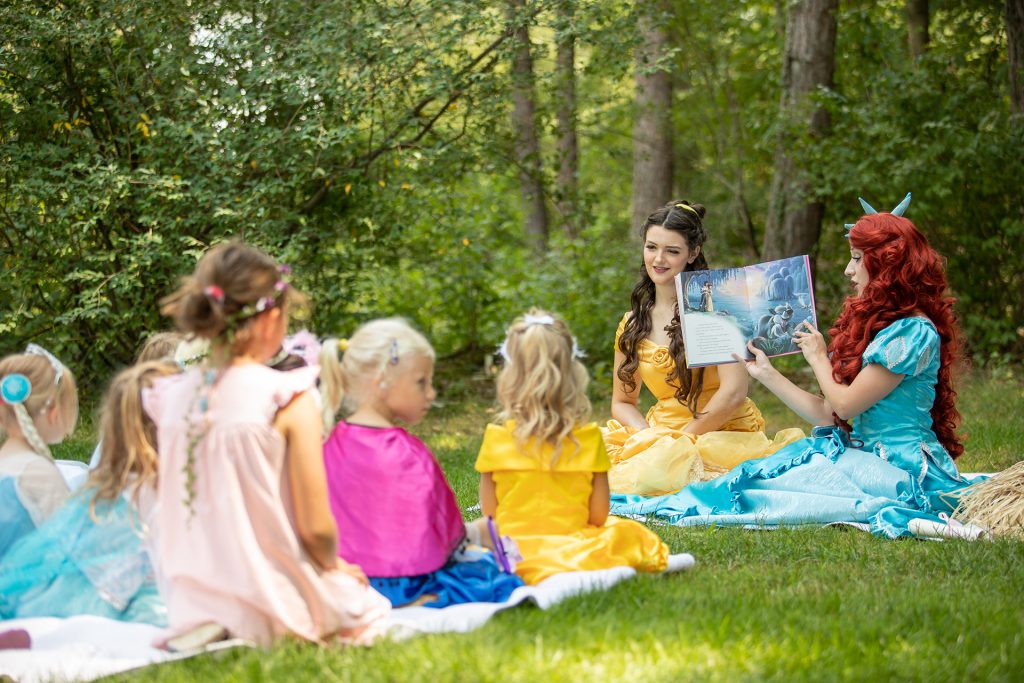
(305, 345)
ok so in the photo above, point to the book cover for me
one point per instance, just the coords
(721, 310)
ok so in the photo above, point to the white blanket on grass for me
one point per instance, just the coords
(85, 648)
(410, 621)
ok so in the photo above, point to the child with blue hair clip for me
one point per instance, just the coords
(39, 407)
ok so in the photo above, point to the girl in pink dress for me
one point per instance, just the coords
(246, 543)
(397, 516)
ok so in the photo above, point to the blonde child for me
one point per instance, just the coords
(543, 468)
(89, 558)
(396, 513)
(246, 541)
(39, 406)
(159, 346)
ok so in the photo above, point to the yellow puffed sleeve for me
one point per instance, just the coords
(500, 452)
(591, 456)
(621, 328)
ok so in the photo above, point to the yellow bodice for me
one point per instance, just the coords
(536, 495)
(656, 365)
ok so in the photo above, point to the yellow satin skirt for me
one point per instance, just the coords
(663, 459)
(619, 543)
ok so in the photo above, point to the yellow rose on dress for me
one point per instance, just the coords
(661, 356)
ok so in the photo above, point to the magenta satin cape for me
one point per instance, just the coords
(395, 511)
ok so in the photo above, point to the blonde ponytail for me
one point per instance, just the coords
(332, 382)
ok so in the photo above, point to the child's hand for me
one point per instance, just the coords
(353, 570)
(760, 366)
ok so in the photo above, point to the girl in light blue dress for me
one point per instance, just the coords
(90, 556)
(882, 453)
(38, 407)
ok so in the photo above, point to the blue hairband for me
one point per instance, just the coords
(868, 210)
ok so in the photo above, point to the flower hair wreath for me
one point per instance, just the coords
(216, 294)
(577, 352)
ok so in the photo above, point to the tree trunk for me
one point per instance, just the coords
(917, 26)
(1015, 48)
(794, 217)
(652, 130)
(567, 190)
(527, 143)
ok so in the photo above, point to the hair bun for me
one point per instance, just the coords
(200, 313)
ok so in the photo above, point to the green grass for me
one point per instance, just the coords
(789, 605)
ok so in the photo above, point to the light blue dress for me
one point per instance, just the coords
(891, 470)
(31, 489)
(15, 520)
(73, 564)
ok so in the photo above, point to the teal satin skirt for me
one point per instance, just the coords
(822, 479)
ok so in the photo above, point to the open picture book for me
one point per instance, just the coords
(721, 310)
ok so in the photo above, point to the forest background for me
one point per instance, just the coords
(456, 162)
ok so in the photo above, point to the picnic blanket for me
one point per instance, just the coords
(84, 648)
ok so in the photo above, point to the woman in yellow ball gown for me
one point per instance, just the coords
(703, 423)
(543, 470)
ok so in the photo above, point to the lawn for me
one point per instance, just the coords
(793, 605)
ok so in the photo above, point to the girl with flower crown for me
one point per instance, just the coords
(882, 453)
(246, 543)
(703, 422)
(543, 467)
(39, 407)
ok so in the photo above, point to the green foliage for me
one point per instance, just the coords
(939, 127)
(135, 134)
(369, 145)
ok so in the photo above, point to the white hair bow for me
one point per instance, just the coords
(545, 319)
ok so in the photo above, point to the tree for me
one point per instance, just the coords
(567, 186)
(917, 26)
(1014, 16)
(794, 215)
(524, 123)
(652, 129)
(136, 134)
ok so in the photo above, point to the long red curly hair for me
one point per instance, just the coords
(906, 278)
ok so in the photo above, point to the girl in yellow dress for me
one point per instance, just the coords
(703, 423)
(544, 471)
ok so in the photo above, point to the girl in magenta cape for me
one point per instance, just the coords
(397, 516)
